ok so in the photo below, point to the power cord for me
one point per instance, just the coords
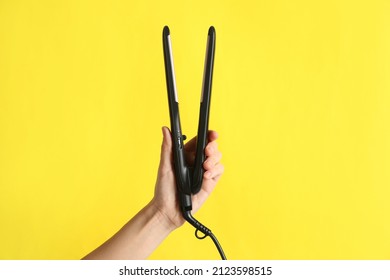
(207, 232)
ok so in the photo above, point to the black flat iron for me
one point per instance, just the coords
(189, 178)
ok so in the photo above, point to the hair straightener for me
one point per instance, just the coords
(189, 178)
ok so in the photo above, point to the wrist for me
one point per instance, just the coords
(161, 215)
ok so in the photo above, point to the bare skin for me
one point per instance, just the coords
(139, 237)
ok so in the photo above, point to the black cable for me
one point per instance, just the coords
(207, 232)
(219, 247)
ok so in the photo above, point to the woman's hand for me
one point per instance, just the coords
(165, 198)
(138, 238)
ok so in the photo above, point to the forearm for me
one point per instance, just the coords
(137, 239)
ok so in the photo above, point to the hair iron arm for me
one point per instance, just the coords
(189, 179)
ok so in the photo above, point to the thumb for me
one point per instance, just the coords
(166, 163)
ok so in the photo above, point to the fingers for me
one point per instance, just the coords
(215, 173)
(208, 185)
(211, 149)
(212, 135)
(212, 165)
(190, 146)
(214, 156)
(166, 151)
(212, 160)
(214, 169)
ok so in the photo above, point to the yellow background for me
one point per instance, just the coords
(301, 99)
